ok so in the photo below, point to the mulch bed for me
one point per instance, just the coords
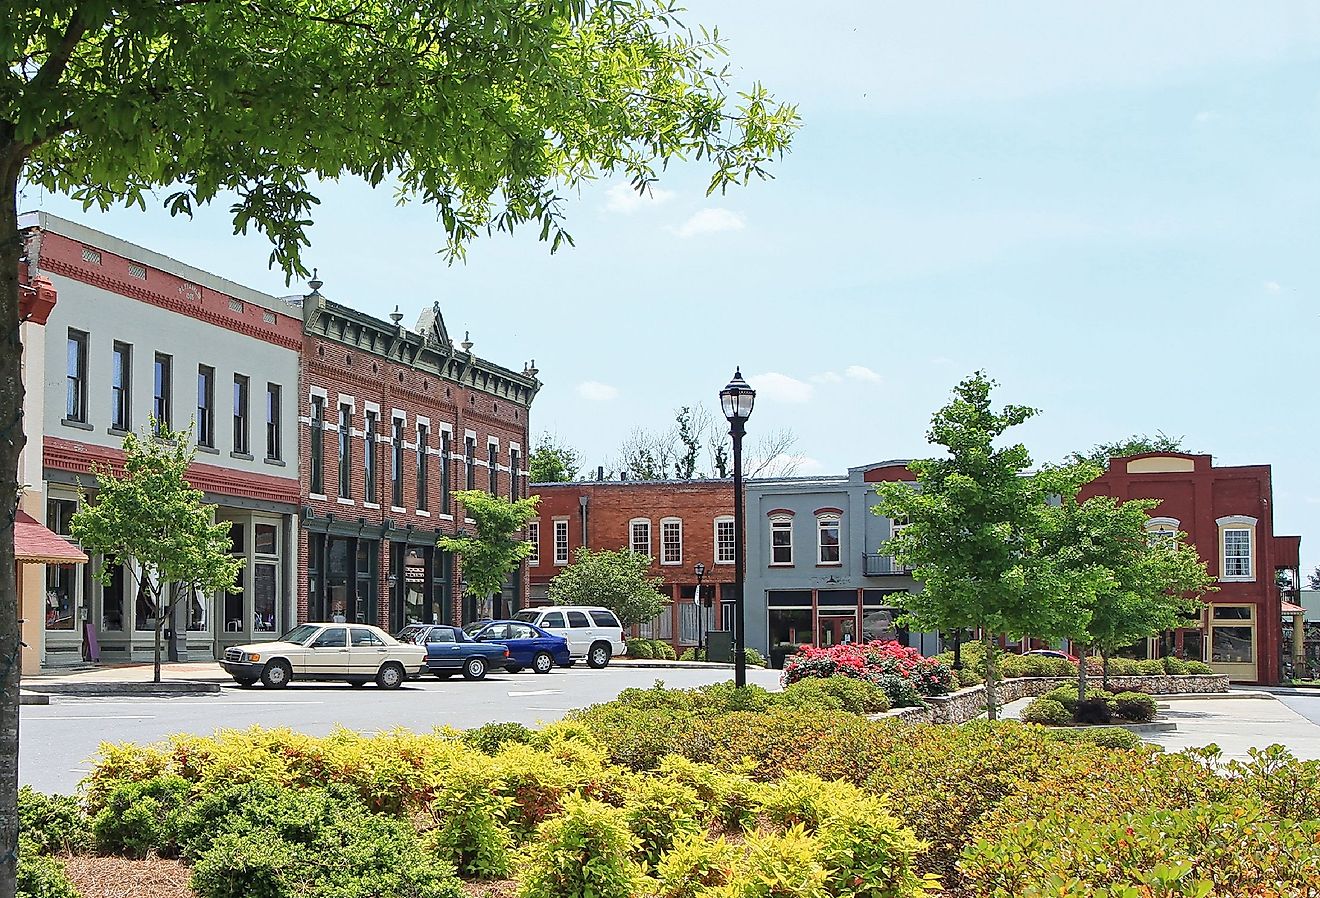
(118, 877)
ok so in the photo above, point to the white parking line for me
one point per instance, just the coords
(534, 692)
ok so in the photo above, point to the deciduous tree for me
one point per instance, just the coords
(619, 580)
(1100, 454)
(491, 553)
(977, 523)
(552, 461)
(492, 111)
(152, 521)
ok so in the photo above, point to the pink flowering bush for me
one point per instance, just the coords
(904, 673)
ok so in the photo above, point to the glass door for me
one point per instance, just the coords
(1232, 641)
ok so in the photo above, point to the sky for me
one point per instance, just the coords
(1110, 208)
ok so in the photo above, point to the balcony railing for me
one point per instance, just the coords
(877, 565)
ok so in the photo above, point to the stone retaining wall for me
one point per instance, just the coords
(968, 704)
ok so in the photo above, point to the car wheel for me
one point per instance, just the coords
(390, 676)
(276, 674)
(474, 669)
(443, 674)
(598, 656)
(542, 663)
(245, 681)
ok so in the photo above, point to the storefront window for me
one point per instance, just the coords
(263, 539)
(112, 597)
(61, 582)
(196, 613)
(1231, 645)
(366, 581)
(264, 578)
(144, 611)
(414, 595)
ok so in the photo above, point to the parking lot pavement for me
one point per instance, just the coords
(56, 741)
(1237, 725)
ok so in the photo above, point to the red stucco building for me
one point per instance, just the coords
(1228, 514)
(392, 422)
(678, 523)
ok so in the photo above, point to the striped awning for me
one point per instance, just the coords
(35, 544)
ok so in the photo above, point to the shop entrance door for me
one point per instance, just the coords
(1232, 640)
(833, 629)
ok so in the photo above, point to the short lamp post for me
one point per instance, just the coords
(736, 401)
(700, 571)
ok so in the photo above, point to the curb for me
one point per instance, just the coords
(31, 698)
(1196, 696)
(185, 687)
(673, 665)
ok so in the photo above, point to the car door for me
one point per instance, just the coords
(442, 650)
(366, 651)
(579, 632)
(328, 654)
(522, 642)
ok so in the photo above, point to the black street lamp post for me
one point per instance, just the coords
(700, 571)
(736, 401)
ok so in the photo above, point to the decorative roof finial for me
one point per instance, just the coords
(467, 342)
(396, 316)
(531, 370)
(315, 283)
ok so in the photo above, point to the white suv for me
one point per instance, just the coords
(592, 633)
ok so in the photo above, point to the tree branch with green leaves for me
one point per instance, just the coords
(493, 551)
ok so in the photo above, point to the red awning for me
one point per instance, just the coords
(34, 544)
(1290, 608)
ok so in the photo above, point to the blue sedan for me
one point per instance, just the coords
(450, 651)
(529, 645)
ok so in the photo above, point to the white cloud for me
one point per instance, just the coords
(827, 377)
(781, 388)
(863, 373)
(1272, 286)
(596, 391)
(710, 221)
(624, 199)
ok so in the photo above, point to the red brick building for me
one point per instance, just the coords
(1228, 514)
(676, 522)
(392, 423)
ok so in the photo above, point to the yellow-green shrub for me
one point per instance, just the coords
(694, 864)
(585, 852)
(775, 865)
(726, 794)
(657, 811)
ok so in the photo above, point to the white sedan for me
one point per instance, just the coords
(355, 653)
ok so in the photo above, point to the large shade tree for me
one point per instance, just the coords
(492, 111)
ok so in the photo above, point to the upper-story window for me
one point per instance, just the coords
(534, 537)
(639, 536)
(206, 406)
(493, 467)
(241, 419)
(76, 401)
(897, 526)
(1237, 547)
(121, 387)
(444, 472)
(162, 406)
(828, 549)
(273, 448)
(423, 438)
(317, 437)
(470, 460)
(345, 451)
(1162, 532)
(513, 474)
(671, 541)
(781, 539)
(396, 464)
(725, 547)
(369, 465)
(561, 542)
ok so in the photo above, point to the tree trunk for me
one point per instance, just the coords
(11, 444)
(1104, 669)
(160, 622)
(991, 676)
(1081, 674)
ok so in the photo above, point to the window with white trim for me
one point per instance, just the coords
(534, 537)
(639, 536)
(1162, 532)
(1237, 552)
(827, 539)
(671, 541)
(724, 541)
(781, 540)
(561, 542)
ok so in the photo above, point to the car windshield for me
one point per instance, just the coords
(529, 615)
(300, 635)
(412, 634)
(476, 627)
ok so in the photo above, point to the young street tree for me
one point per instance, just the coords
(490, 554)
(1139, 585)
(156, 525)
(618, 580)
(552, 461)
(977, 522)
(1100, 454)
(493, 111)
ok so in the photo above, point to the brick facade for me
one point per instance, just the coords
(1243, 618)
(604, 521)
(419, 379)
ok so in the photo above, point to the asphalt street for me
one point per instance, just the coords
(58, 741)
(1305, 704)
